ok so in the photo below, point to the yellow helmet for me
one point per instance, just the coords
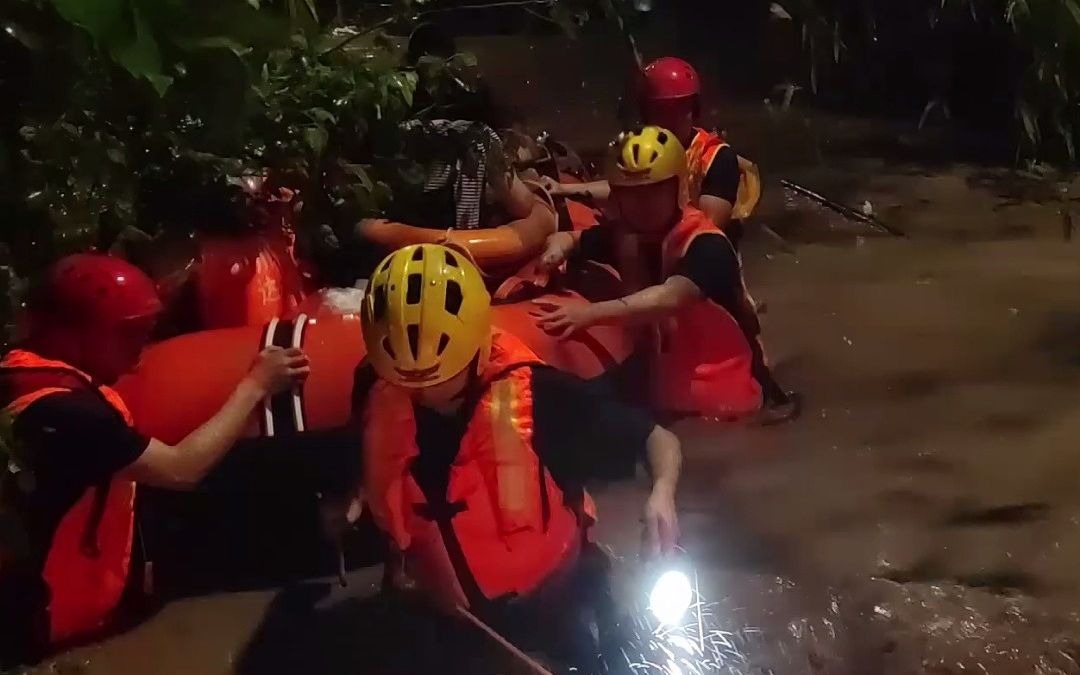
(426, 316)
(646, 156)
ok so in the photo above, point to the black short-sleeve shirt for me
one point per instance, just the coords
(722, 178)
(72, 441)
(710, 262)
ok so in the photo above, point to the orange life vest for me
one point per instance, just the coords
(701, 153)
(699, 158)
(703, 359)
(504, 526)
(87, 564)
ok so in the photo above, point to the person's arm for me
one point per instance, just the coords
(534, 220)
(183, 465)
(647, 304)
(720, 187)
(565, 320)
(514, 242)
(582, 433)
(594, 244)
(599, 191)
(664, 455)
(717, 209)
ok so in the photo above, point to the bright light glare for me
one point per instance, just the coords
(671, 597)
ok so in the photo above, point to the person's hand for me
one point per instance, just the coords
(661, 523)
(366, 224)
(339, 514)
(276, 370)
(554, 187)
(563, 320)
(555, 253)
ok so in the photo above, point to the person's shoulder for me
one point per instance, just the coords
(710, 253)
(551, 384)
(70, 406)
(726, 155)
(711, 245)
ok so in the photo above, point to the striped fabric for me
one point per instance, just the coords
(462, 152)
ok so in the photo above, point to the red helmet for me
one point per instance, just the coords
(670, 78)
(93, 288)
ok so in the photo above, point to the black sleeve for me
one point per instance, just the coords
(722, 179)
(596, 244)
(710, 262)
(78, 435)
(582, 432)
(326, 461)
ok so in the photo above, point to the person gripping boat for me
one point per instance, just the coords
(685, 281)
(68, 490)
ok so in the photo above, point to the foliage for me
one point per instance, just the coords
(139, 118)
(1042, 36)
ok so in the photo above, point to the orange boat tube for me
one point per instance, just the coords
(182, 382)
(502, 247)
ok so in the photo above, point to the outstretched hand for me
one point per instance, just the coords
(563, 320)
(661, 534)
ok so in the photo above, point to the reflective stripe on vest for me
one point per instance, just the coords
(503, 526)
(87, 564)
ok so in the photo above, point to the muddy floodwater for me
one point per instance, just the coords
(923, 515)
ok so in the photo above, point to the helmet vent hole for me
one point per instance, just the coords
(636, 150)
(387, 348)
(378, 310)
(418, 254)
(444, 342)
(451, 260)
(655, 156)
(454, 297)
(662, 138)
(412, 293)
(413, 329)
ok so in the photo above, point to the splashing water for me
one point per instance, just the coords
(700, 644)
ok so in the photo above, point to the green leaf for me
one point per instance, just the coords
(140, 55)
(464, 60)
(103, 19)
(1030, 123)
(190, 43)
(316, 139)
(322, 116)
(1074, 10)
